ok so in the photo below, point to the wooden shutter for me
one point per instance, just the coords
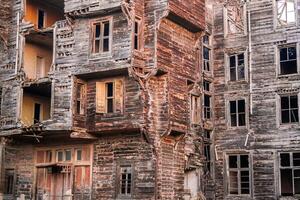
(100, 97)
(82, 99)
(119, 96)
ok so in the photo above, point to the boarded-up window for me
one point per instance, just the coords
(109, 96)
(195, 109)
(290, 173)
(102, 36)
(238, 174)
(80, 98)
(286, 12)
(288, 60)
(9, 181)
(289, 109)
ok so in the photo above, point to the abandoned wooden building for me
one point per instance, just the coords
(149, 99)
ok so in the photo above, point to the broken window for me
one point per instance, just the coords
(207, 152)
(237, 67)
(137, 34)
(289, 109)
(237, 113)
(239, 174)
(109, 96)
(290, 173)
(37, 113)
(125, 180)
(101, 36)
(41, 19)
(80, 98)
(288, 60)
(63, 175)
(195, 109)
(286, 12)
(234, 17)
(9, 181)
(207, 106)
(206, 53)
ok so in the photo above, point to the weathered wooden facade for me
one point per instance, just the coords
(96, 99)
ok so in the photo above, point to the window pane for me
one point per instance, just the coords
(294, 102)
(205, 53)
(233, 107)
(233, 182)
(233, 162)
(284, 102)
(241, 72)
(106, 28)
(297, 186)
(244, 161)
(59, 156)
(242, 121)
(296, 160)
(292, 53)
(232, 61)
(285, 116)
(68, 155)
(294, 115)
(288, 67)
(110, 107)
(206, 39)
(283, 54)
(286, 182)
(97, 31)
(206, 100)
(241, 59)
(136, 27)
(79, 154)
(105, 44)
(285, 159)
(233, 120)
(97, 46)
(233, 74)
(241, 106)
(109, 89)
(245, 182)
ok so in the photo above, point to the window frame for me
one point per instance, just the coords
(209, 47)
(44, 21)
(138, 35)
(280, 109)
(195, 115)
(110, 37)
(124, 164)
(225, 22)
(229, 114)
(239, 169)
(113, 97)
(236, 67)
(292, 167)
(276, 20)
(5, 193)
(82, 99)
(278, 61)
(1, 99)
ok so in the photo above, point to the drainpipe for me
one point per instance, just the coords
(17, 44)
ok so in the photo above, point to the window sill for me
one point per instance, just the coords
(97, 56)
(237, 127)
(287, 76)
(121, 197)
(237, 82)
(289, 126)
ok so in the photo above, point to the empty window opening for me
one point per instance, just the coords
(289, 109)
(9, 181)
(286, 12)
(101, 40)
(80, 98)
(195, 109)
(239, 174)
(290, 173)
(207, 106)
(235, 18)
(41, 19)
(237, 113)
(110, 97)
(126, 180)
(207, 151)
(37, 113)
(206, 53)
(137, 35)
(288, 60)
(237, 67)
(206, 86)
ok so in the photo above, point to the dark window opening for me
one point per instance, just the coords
(207, 151)
(136, 35)
(206, 59)
(80, 93)
(239, 174)
(289, 109)
(207, 109)
(41, 19)
(237, 67)
(110, 97)
(9, 181)
(37, 113)
(101, 38)
(288, 60)
(206, 85)
(237, 113)
(290, 174)
(126, 181)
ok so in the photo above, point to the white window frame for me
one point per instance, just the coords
(278, 111)
(120, 194)
(227, 64)
(277, 59)
(229, 114)
(276, 21)
(209, 47)
(225, 22)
